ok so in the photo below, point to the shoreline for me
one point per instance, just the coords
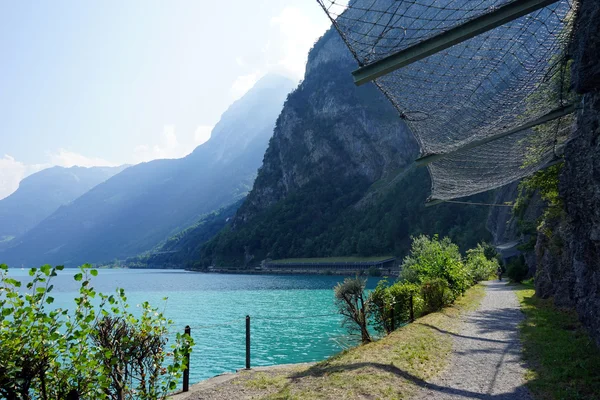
(210, 383)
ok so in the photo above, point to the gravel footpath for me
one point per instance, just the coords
(486, 360)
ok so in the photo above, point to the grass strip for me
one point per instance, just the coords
(563, 361)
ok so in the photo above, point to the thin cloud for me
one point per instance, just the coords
(202, 134)
(66, 158)
(244, 83)
(12, 172)
(170, 146)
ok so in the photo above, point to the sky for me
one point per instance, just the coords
(105, 83)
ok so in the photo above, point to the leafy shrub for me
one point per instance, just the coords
(380, 304)
(401, 293)
(436, 294)
(51, 354)
(352, 302)
(517, 269)
(394, 302)
(432, 258)
(481, 267)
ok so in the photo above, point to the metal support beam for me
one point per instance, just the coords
(552, 115)
(459, 34)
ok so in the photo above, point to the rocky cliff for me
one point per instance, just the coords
(338, 177)
(569, 251)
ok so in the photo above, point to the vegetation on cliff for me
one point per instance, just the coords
(321, 219)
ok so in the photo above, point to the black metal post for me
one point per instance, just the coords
(73, 395)
(186, 371)
(393, 325)
(412, 311)
(247, 342)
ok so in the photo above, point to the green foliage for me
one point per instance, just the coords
(436, 294)
(47, 353)
(387, 303)
(432, 277)
(405, 295)
(352, 303)
(432, 258)
(380, 305)
(517, 269)
(482, 266)
(320, 220)
(545, 182)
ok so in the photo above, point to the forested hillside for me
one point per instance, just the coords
(182, 250)
(149, 202)
(338, 178)
(40, 194)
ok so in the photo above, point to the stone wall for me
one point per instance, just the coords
(569, 250)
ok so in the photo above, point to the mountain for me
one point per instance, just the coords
(40, 194)
(338, 178)
(145, 204)
(182, 250)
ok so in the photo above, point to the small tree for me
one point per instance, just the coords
(480, 266)
(432, 258)
(352, 302)
(517, 269)
(380, 307)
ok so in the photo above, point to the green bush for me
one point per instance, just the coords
(380, 305)
(481, 267)
(54, 353)
(393, 302)
(432, 258)
(436, 294)
(517, 269)
(401, 293)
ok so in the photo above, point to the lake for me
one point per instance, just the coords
(293, 317)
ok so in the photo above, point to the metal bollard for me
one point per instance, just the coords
(186, 371)
(247, 342)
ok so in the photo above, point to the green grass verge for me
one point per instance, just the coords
(330, 259)
(391, 368)
(563, 362)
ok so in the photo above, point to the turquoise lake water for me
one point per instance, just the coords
(293, 317)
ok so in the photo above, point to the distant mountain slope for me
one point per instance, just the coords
(338, 177)
(182, 250)
(40, 194)
(145, 204)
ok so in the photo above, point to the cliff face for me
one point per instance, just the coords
(508, 226)
(569, 256)
(338, 177)
(328, 125)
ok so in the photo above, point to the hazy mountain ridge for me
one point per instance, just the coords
(145, 204)
(42, 193)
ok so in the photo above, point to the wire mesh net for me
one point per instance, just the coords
(492, 83)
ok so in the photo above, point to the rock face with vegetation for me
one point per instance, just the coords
(42, 193)
(149, 202)
(338, 178)
(569, 249)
